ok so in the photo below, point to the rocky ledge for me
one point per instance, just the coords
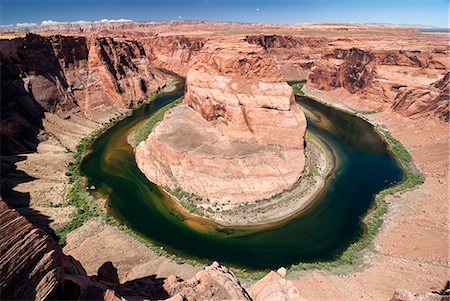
(237, 137)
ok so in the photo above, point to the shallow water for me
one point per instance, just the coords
(320, 232)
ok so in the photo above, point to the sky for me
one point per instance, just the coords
(421, 12)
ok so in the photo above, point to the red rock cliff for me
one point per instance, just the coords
(173, 53)
(294, 55)
(412, 83)
(65, 75)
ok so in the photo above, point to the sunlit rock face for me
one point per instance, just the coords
(237, 137)
(410, 83)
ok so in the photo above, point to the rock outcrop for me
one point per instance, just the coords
(411, 83)
(275, 287)
(90, 76)
(238, 135)
(293, 55)
(30, 260)
(173, 53)
(404, 295)
(215, 282)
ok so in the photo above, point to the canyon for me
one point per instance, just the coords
(61, 83)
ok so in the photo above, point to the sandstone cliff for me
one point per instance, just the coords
(411, 83)
(30, 261)
(173, 53)
(294, 55)
(237, 137)
(88, 76)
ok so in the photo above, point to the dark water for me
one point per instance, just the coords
(321, 232)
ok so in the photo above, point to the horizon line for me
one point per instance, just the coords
(49, 23)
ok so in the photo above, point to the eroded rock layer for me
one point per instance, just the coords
(90, 76)
(30, 260)
(411, 83)
(294, 55)
(238, 135)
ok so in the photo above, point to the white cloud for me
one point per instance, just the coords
(26, 24)
(51, 22)
(180, 17)
(112, 20)
(257, 9)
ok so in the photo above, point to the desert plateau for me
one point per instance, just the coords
(223, 160)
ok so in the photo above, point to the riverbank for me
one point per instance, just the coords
(86, 206)
(410, 250)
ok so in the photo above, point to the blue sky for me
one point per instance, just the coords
(426, 12)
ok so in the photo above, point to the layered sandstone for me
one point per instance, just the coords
(173, 53)
(413, 83)
(294, 55)
(30, 261)
(238, 135)
(93, 77)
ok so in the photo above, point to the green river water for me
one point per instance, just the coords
(320, 232)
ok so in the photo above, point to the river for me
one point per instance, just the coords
(320, 232)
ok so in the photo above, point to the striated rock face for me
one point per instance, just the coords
(30, 261)
(119, 75)
(173, 53)
(66, 75)
(294, 55)
(412, 83)
(237, 137)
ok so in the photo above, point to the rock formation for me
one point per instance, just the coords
(174, 53)
(294, 55)
(275, 287)
(412, 83)
(30, 261)
(238, 135)
(215, 282)
(89, 76)
(404, 295)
